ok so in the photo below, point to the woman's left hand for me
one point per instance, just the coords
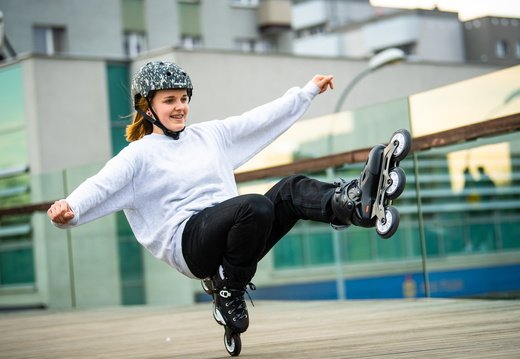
(324, 82)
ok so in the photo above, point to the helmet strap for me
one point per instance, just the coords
(155, 121)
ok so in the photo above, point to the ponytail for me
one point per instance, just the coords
(139, 126)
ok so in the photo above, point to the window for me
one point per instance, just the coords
(501, 49)
(48, 40)
(191, 42)
(135, 43)
(310, 31)
(517, 50)
(190, 22)
(252, 45)
(134, 27)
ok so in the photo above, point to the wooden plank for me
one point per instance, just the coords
(433, 328)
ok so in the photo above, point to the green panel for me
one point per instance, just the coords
(392, 248)
(133, 294)
(130, 251)
(358, 245)
(320, 248)
(118, 84)
(289, 252)
(133, 16)
(12, 99)
(189, 19)
(13, 137)
(454, 238)
(471, 196)
(510, 235)
(482, 236)
(15, 191)
(120, 106)
(13, 146)
(16, 266)
(131, 269)
(16, 253)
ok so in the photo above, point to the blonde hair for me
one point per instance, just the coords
(139, 126)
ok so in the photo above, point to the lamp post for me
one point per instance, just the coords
(378, 61)
(386, 57)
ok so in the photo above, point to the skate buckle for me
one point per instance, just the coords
(224, 293)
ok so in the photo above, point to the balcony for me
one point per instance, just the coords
(274, 16)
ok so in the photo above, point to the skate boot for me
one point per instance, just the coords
(365, 202)
(229, 308)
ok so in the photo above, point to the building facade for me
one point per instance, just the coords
(492, 40)
(66, 104)
(128, 27)
(346, 28)
(65, 116)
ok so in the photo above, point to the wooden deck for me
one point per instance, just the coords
(429, 328)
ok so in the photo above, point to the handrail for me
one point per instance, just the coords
(487, 128)
(493, 127)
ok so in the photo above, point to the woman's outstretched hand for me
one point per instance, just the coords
(60, 212)
(324, 82)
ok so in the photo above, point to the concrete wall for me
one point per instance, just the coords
(93, 27)
(441, 39)
(216, 19)
(67, 113)
(161, 19)
(226, 83)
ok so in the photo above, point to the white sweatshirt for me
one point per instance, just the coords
(160, 183)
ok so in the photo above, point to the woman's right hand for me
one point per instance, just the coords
(324, 82)
(60, 212)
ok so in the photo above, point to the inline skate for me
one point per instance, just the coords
(366, 201)
(229, 310)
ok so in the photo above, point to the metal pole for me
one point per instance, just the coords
(349, 88)
(422, 236)
(70, 252)
(336, 241)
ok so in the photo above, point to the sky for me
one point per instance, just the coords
(467, 9)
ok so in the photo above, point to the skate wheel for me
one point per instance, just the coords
(387, 226)
(397, 182)
(403, 140)
(232, 342)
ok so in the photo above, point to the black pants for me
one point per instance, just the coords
(237, 233)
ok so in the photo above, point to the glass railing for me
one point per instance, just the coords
(468, 102)
(458, 233)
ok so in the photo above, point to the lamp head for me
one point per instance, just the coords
(386, 57)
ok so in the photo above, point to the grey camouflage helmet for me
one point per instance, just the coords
(159, 75)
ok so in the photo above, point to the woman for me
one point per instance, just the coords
(177, 189)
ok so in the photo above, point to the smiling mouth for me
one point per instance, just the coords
(177, 117)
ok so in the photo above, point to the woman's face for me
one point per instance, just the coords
(171, 106)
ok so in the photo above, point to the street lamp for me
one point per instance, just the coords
(386, 57)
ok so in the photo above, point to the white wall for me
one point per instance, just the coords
(67, 113)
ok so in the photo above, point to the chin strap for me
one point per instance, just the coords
(154, 121)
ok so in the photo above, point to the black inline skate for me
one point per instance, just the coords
(366, 201)
(229, 309)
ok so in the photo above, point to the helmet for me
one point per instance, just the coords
(159, 75)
